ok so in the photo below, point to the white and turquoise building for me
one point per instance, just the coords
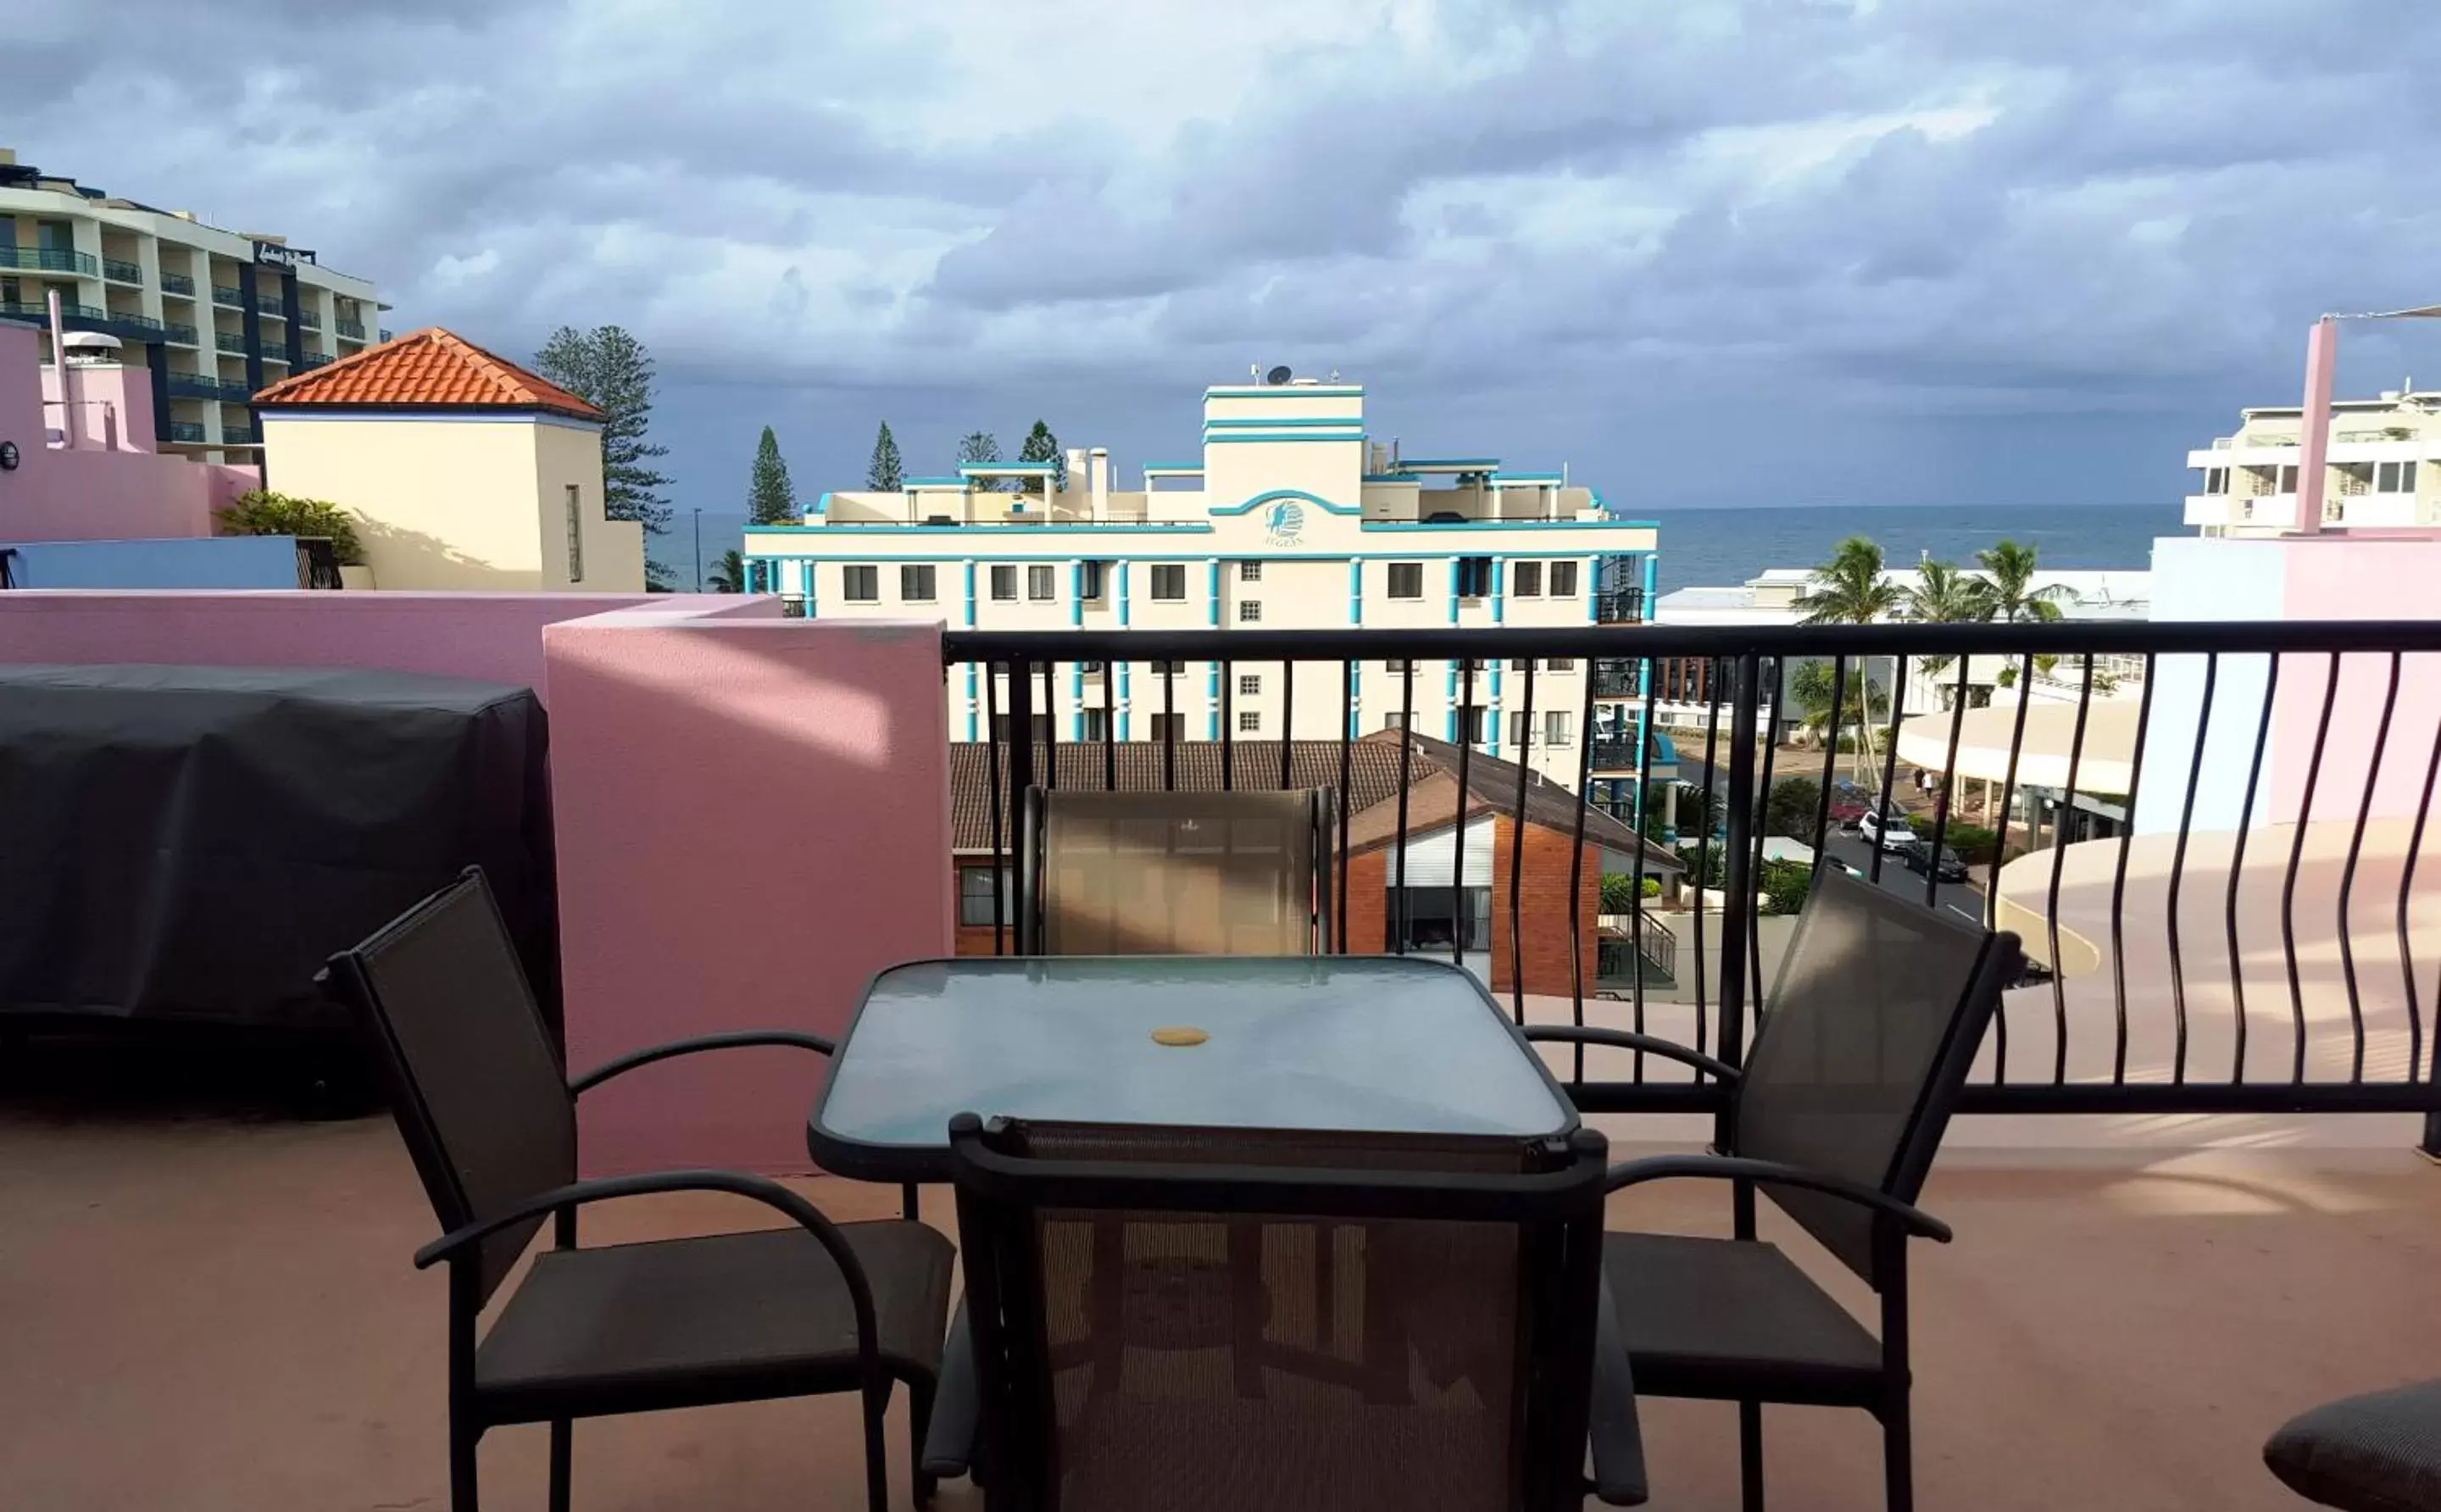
(1291, 518)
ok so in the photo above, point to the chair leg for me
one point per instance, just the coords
(877, 1450)
(463, 1493)
(562, 1436)
(1750, 1455)
(920, 1417)
(1898, 1459)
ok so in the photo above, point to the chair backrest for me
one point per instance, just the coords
(1192, 1319)
(477, 1091)
(1865, 1042)
(1174, 873)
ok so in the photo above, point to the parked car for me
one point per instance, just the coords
(1848, 807)
(1918, 854)
(1889, 829)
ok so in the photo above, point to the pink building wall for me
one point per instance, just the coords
(96, 495)
(111, 410)
(753, 821)
(2356, 577)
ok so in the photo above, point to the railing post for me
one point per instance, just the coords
(1020, 730)
(1737, 877)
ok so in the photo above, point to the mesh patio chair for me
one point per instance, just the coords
(1222, 1320)
(1174, 874)
(1836, 1116)
(2377, 1453)
(811, 1307)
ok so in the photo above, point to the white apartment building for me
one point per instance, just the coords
(214, 316)
(1293, 518)
(2380, 468)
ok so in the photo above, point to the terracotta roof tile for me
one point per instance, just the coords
(426, 367)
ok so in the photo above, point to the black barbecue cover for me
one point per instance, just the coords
(189, 843)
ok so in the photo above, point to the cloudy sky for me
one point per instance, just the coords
(1980, 252)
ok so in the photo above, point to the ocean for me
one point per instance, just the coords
(1722, 546)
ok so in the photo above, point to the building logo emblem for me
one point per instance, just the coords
(1283, 523)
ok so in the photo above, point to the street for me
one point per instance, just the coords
(1851, 852)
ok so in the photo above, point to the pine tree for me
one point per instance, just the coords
(983, 446)
(770, 497)
(1043, 446)
(882, 474)
(612, 371)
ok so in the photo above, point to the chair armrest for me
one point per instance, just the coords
(957, 1404)
(734, 1039)
(1611, 1423)
(1624, 1039)
(1772, 1173)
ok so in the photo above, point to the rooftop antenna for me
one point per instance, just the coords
(1255, 370)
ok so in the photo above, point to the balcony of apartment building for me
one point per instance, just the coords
(2179, 1219)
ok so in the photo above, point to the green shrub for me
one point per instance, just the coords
(259, 512)
(1973, 842)
(1783, 886)
(1618, 892)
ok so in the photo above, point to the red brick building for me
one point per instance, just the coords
(1463, 862)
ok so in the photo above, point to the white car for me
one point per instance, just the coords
(1888, 833)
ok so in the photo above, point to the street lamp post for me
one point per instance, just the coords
(698, 550)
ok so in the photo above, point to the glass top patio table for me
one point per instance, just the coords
(1388, 1044)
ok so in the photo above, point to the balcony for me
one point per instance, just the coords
(229, 298)
(117, 270)
(229, 341)
(386, 335)
(354, 330)
(2150, 1273)
(1619, 606)
(312, 360)
(179, 284)
(271, 304)
(189, 432)
(180, 335)
(307, 320)
(205, 386)
(240, 435)
(91, 317)
(50, 260)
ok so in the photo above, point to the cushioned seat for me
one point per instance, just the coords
(731, 1317)
(2379, 1453)
(1731, 1319)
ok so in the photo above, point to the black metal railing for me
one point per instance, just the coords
(2197, 949)
(317, 563)
(8, 566)
(1619, 606)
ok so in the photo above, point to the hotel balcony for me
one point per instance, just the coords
(2158, 1260)
(178, 285)
(118, 270)
(50, 260)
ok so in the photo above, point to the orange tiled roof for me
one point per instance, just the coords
(426, 367)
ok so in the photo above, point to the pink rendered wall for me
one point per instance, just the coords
(492, 636)
(2347, 577)
(753, 819)
(94, 496)
(112, 408)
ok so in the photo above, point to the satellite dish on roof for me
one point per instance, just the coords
(1277, 376)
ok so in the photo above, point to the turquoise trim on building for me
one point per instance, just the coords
(842, 533)
(1499, 589)
(1076, 700)
(906, 483)
(1173, 469)
(1285, 391)
(1528, 477)
(1076, 596)
(1513, 524)
(1299, 494)
(1452, 700)
(970, 593)
(1355, 590)
(1282, 440)
(1122, 565)
(1491, 711)
(1394, 477)
(1303, 421)
(1652, 579)
(1410, 464)
(821, 506)
(1125, 702)
(974, 694)
(1453, 576)
(1355, 696)
(1214, 604)
(999, 469)
(1212, 694)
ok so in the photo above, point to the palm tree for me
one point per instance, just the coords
(1849, 589)
(728, 574)
(1945, 595)
(2007, 587)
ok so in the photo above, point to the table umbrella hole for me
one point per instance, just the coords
(1180, 1036)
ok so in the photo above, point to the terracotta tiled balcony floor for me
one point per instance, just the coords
(208, 1309)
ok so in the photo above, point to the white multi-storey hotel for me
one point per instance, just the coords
(213, 316)
(2381, 469)
(1293, 518)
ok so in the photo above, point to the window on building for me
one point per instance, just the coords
(1170, 582)
(1249, 722)
(1563, 664)
(1521, 728)
(1395, 719)
(976, 894)
(1406, 579)
(915, 582)
(2215, 479)
(1004, 582)
(2286, 482)
(1397, 668)
(2394, 478)
(1520, 666)
(1474, 576)
(1250, 683)
(1041, 583)
(1097, 723)
(1169, 727)
(1469, 722)
(1041, 724)
(1559, 726)
(860, 585)
(1250, 573)
(1094, 581)
(1562, 580)
(575, 534)
(1526, 579)
(1249, 610)
(1167, 669)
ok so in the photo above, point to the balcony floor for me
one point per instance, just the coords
(209, 1307)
